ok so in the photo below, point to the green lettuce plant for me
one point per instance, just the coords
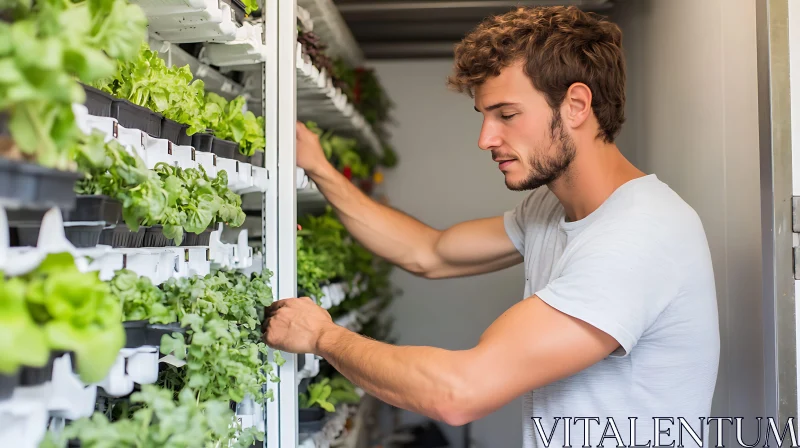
(49, 45)
(250, 6)
(22, 341)
(222, 346)
(229, 121)
(147, 81)
(124, 176)
(326, 393)
(346, 153)
(57, 307)
(140, 299)
(180, 200)
(160, 420)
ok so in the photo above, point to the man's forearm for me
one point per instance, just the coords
(388, 233)
(425, 380)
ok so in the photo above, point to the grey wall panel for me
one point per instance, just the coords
(442, 179)
(693, 120)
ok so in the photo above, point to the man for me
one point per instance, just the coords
(620, 315)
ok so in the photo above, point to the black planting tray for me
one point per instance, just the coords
(35, 376)
(257, 159)
(204, 238)
(36, 187)
(7, 385)
(183, 139)
(224, 148)
(134, 116)
(203, 142)
(97, 101)
(241, 157)
(172, 130)
(154, 237)
(93, 208)
(80, 236)
(311, 420)
(189, 239)
(195, 239)
(83, 225)
(4, 124)
(140, 332)
(121, 236)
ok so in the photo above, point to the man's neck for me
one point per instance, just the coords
(591, 178)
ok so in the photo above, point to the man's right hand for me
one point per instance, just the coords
(310, 156)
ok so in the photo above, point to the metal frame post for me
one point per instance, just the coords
(780, 346)
(287, 202)
(269, 213)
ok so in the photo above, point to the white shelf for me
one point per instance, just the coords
(331, 431)
(187, 21)
(247, 49)
(365, 411)
(330, 26)
(214, 81)
(304, 17)
(319, 101)
(355, 319)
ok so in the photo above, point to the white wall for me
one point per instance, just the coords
(693, 120)
(442, 179)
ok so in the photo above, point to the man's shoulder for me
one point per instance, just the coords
(654, 213)
(540, 203)
(648, 200)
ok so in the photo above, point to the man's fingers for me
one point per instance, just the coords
(278, 304)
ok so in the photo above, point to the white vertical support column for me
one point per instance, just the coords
(794, 90)
(287, 205)
(775, 135)
(269, 211)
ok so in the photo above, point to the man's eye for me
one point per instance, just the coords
(507, 117)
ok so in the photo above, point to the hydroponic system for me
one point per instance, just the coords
(151, 208)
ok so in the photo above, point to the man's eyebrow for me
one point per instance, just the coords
(496, 106)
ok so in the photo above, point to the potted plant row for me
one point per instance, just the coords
(28, 184)
(130, 115)
(38, 128)
(83, 224)
(161, 206)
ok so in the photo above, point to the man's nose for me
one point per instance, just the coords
(489, 137)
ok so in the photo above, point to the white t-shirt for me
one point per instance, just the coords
(639, 269)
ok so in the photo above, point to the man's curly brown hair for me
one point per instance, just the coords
(559, 46)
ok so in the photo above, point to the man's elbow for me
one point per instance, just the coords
(457, 418)
(455, 408)
(425, 266)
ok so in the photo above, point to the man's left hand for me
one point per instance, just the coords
(295, 325)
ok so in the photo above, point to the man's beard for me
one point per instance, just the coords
(546, 169)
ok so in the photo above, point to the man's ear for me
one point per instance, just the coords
(577, 106)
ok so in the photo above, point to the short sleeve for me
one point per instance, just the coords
(514, 229)
(618, 281)
(518, 219)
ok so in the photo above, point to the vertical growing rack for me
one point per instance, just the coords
(277, 78)
(29, 405)
(297, 90)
